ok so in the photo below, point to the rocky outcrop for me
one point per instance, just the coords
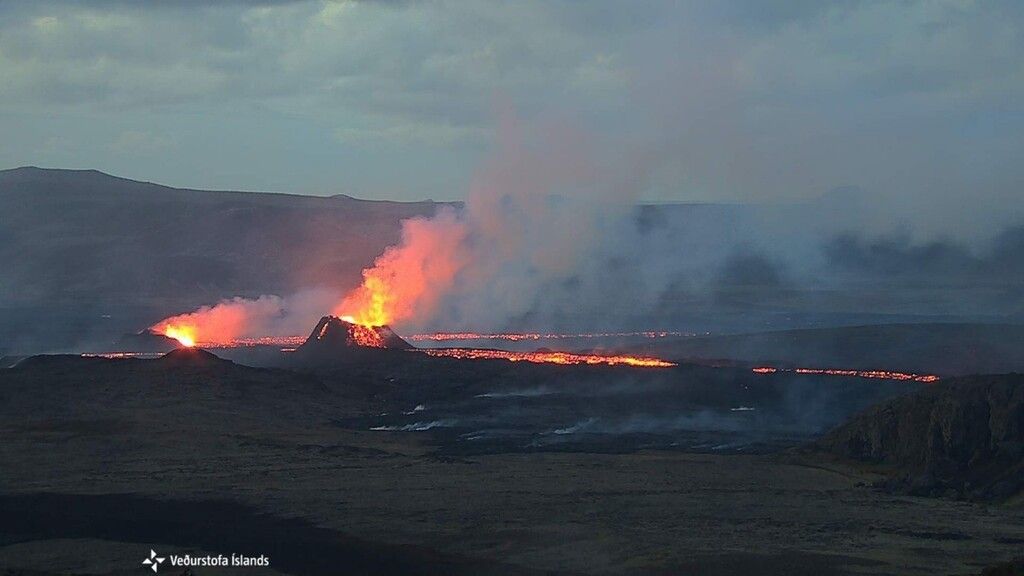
(962, 437)
(332, 331)
(337, 342)
(191, 357)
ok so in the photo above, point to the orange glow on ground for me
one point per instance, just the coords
(875, 374)
(547, 357)
(521, 336)
(359, 335)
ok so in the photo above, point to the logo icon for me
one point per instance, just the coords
(153, 561)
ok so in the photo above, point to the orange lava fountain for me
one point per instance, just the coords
(220, 324)
(408, 279)
(547, 357)
(184, 334)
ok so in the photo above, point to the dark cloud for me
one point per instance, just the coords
(913, 101)
(780, 13)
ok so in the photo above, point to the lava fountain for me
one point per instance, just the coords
(408, 279)
(185, 334)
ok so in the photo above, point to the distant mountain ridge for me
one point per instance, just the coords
(85, 179)
(69, 234)
(88, 255)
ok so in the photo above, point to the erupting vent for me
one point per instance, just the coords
(332, 331)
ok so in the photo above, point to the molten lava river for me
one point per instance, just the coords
(547, 357)
(366, 336)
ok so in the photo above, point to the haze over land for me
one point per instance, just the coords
(917, 103)
(512, 288)
(79, 246)
(802, 164)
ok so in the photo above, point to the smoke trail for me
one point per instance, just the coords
(235, 318)
(531, 216)
(408, 279)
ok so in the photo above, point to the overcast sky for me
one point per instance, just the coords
(918, 101)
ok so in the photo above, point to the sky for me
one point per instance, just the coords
(919, 103)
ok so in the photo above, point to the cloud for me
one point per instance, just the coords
(915, 101)
(141, 142)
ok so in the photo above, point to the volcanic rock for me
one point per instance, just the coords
(147, 341)
(335, 340)
(193, 357)
(333, 331)
(962, 437)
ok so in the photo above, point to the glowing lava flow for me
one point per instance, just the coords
(359, 335)
(186, 336)
(261, 341)
(521, 336)
(546, 357)
(878, 374)
(355, 334)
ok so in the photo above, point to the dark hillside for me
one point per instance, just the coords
(87, 256)
(960, 437)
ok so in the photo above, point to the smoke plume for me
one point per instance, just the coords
(539, 208)
(236, 318)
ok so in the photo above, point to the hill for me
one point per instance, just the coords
(962, 437)
(114, 237)
(67, 391)
(89, 254)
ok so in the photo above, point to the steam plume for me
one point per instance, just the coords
(530, 217)
(235, 318)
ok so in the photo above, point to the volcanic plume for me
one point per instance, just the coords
(408, 280)
(148, 340)
(219, 324)
(531, 219)
(244, 321)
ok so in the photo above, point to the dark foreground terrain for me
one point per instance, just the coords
(103, 460)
